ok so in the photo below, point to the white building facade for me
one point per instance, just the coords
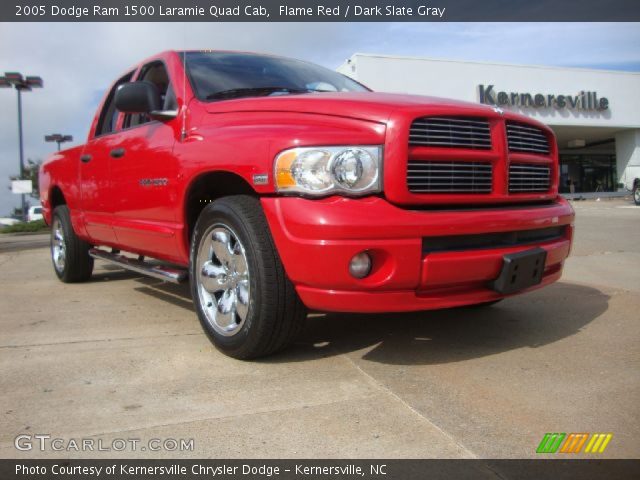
(594, 113)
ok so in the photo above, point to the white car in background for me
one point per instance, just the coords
(34, 213)
(7, 221)
(632, 181)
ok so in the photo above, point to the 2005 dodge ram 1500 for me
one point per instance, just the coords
(276, 185)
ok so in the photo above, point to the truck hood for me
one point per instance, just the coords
(369, 106)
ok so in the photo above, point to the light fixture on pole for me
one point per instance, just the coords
(58, 138)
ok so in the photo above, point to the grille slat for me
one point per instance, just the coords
(525, 138)
(528, 142)
(455, 132)
(529, 178)
(456, 145)
(525, 131)
(449, 177)
(528, 139)
(457, 120)
(529, 167)
(449, 136)
(447, 130)
(429, 179)
(449, 125)
(524, 127)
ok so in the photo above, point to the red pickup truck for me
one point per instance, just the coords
(275, 186)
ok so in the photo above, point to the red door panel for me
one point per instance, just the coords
(95, 189)
(144, 182)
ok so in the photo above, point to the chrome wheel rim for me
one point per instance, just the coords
(58, 249)
(223, 282)
(636, 194)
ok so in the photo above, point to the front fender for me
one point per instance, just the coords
(246, 143)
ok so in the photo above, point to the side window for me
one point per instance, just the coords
(109, 114)
(155, 73)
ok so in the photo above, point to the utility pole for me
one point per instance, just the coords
(21, 84)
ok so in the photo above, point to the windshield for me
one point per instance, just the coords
(222, 75)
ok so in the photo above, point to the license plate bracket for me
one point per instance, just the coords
(520, 270)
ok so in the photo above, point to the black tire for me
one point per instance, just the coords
(273, 313)
(484, 304)
(76, 265)
(636, 193)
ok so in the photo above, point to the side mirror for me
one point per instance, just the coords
(137, 97)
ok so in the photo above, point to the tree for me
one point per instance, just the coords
(31, 172)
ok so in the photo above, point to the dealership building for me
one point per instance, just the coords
(595, 114)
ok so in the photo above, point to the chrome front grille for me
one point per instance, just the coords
(453, 132)
(449, 177)
(525, 178)
(525, 138)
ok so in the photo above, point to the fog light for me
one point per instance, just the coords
(360, 265)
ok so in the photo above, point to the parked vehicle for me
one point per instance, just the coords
(275, 186)
(632, 181)
(7, 221)
(34, 213)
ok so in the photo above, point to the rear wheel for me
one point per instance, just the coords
(636, 192)
(244, 300)
(69, 253)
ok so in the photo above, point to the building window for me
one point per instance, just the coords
(580, 173)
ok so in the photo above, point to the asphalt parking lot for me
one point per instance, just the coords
(124, 357)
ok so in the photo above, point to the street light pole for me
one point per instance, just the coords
(21, 149)
(20, 83)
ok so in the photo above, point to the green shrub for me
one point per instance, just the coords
(34, 226)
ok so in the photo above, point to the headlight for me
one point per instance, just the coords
(324, 170)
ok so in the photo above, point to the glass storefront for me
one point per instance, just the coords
(581, 173)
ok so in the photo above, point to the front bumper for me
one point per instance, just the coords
(316, 239)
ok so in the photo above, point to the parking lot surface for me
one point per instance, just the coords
(123, 356)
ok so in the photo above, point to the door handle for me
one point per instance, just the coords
(86, 158)
(117, 152)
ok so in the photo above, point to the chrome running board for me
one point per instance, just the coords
(161, 272)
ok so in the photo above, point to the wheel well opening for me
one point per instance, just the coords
(57, 198)
(207, 188)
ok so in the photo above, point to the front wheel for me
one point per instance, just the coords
(69, 253)
(244, 300)
(636, 193)
(484, 304)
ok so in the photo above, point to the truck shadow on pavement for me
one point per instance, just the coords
(178, 295)
(423, 338)
(453, 335)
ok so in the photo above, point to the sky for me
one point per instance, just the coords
(78, 61)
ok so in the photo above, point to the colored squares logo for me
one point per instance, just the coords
(574, 443)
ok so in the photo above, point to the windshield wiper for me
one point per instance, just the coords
(253, 91)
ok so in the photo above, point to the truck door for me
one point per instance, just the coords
(96, 191)
(144, 174)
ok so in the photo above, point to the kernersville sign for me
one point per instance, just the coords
(584, 100)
